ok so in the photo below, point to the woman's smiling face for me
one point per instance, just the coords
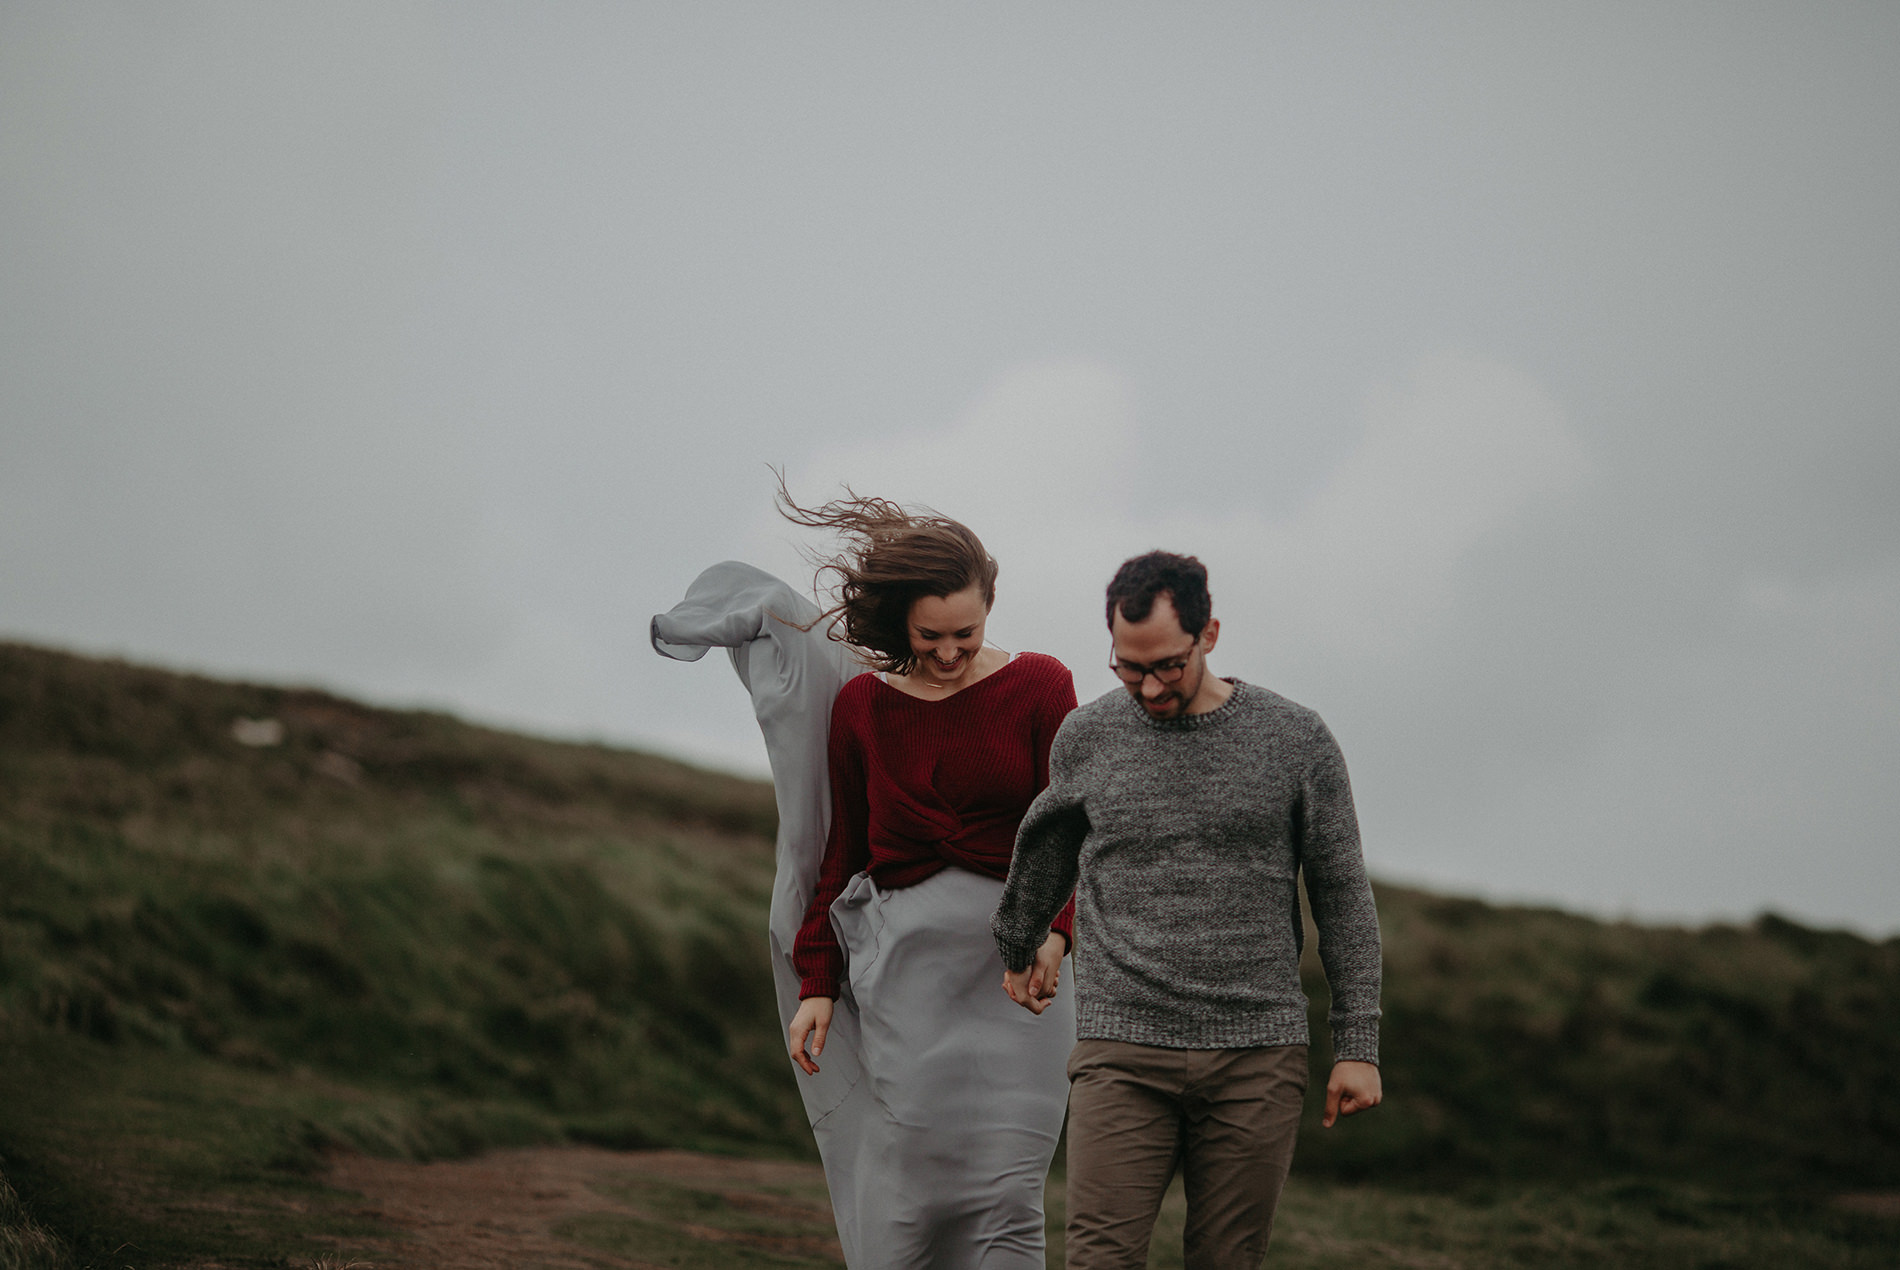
(946, 633)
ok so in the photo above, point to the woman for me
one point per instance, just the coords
(935, 1101)
(934, 757)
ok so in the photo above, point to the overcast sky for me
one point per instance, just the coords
(1526, 375)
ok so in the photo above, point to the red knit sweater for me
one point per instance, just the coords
(920, 785)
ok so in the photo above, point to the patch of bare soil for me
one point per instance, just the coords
(519, 1210)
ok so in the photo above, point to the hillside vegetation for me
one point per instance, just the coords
(1530, 1042)
(390, 930)
(395, 932)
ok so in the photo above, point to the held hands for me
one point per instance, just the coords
(1354, 1087)
(814, 1020)
(1034, 986)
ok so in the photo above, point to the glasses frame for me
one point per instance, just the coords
(1164, 673)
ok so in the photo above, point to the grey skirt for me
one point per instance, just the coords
(943, 1164)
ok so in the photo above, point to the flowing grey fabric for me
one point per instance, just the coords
(938, 1101)
(793, 676)
(971, 1087)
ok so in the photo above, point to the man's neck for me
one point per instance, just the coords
(1213, 694)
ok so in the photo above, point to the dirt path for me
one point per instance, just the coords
(582, 1208)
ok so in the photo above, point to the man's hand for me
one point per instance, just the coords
(814, 1020)
(1034, 986)
(1354, 1087)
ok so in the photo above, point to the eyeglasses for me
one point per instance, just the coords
(1165, 672)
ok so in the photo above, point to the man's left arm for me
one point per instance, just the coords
(1340, 895)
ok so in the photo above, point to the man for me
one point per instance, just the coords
(1182, 813)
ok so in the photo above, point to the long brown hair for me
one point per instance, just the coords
(892, 558)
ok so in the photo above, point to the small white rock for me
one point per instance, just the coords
(257, 733)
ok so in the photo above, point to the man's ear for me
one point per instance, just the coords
(1209, 634)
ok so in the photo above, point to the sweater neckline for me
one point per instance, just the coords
(930, 703)
(1194, 722)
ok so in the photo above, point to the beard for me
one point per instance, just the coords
(1173, 703)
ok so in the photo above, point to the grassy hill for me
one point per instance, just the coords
(403, 934)
(1531, 1042)
(390, 930)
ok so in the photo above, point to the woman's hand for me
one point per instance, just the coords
(1034, 986)
(1047, 969)
(814, 1020)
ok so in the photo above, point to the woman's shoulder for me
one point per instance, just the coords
(856, 694)
(1039, 666)
(1041, 678)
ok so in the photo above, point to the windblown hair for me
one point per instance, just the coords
(892, 558)
(1183, 579)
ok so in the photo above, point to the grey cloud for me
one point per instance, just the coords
(426, 349)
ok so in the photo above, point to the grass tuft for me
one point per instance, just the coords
(24, 1243)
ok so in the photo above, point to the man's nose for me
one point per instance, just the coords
(1152, 687)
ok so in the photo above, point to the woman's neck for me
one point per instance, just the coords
(988, 660)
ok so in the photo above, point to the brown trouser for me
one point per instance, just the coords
(1228, 1117)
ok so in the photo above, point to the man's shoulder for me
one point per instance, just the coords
(1270, 702)
(1111, 709)
(1281, 715)
(1094, 722)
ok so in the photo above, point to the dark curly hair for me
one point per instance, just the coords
(1183, 579)
(893, 558)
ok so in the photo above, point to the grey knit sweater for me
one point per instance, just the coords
(1183, 839)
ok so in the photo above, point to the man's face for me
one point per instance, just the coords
(1157, 643)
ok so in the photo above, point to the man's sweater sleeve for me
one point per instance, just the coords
(1050, 712)
(1341, 898)
(1042, 871)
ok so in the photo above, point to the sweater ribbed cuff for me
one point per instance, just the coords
(1018, 957)
(1356, 1042)
(818, 986)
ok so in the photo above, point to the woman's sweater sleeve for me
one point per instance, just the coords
(816, 954)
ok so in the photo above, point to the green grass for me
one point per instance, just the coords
(174, 1157)
(1322, 1225)
(1522, 1041)
(399, 933)
(1629, 1224)
(474, 939)
(25, 1244)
